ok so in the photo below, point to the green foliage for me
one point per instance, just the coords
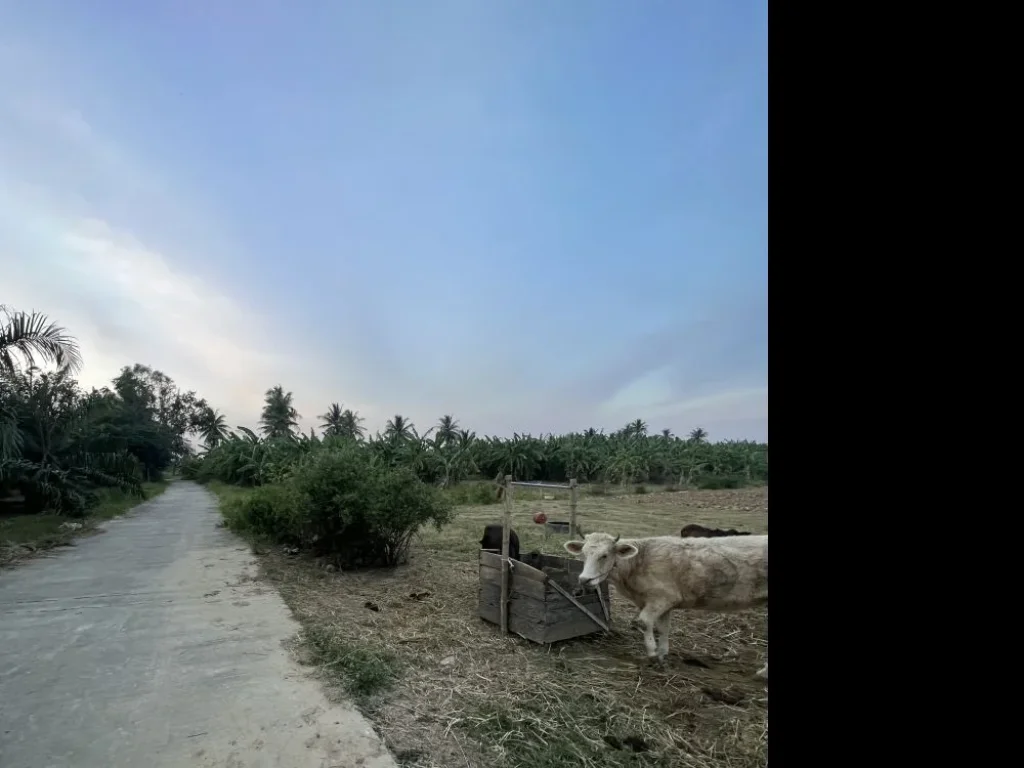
(59, 446)
(25, 533)
(340, 501)
(363, 671)
(451, 456)
(28, 335)
(279, 418)
(718, 482)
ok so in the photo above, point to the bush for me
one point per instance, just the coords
(717, 482)
(340, 503)
(275, 512)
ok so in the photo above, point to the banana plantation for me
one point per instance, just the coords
(447, 455)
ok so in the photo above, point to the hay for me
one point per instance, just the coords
(445, 689)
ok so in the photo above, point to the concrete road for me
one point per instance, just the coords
(150, 645)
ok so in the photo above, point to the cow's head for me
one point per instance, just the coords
(600, 553)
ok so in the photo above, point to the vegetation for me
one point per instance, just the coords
(74, 453)
(444, 688)
(447, 455)
(23, 535)
(361, 500)
(344, 494)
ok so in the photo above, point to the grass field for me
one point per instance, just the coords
(25, 536)
(445, 689)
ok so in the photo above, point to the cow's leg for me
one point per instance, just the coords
(650, 616)
(663, 626)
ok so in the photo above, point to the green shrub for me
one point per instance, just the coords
(362, 511)
(640, 490)
(341, 503)
(717, 482)
(275, 512)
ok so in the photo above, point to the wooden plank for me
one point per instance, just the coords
(569, 630)
(565, 611)
(555, 609)
(532, 619)
(534, 631)
(506, 525)
(586, 611)
(522, 586)
(573, 566)
(488, 558)
(525, 615)
(519, 605)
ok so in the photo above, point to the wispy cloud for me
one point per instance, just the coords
(473, 227)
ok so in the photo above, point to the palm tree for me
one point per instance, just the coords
(332, 421)
(351, 423)
(279, 417)
(636, 428)
(667, 434)
(213, 428)
(398, 427)
(447, 428)
(698, 435)
(32, 334)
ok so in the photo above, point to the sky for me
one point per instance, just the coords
(539, 217)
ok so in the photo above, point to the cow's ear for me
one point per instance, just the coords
(575, 547)
(626, 551)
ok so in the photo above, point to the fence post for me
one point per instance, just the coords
(506, 525)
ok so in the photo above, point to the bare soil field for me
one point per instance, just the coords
(445, 689)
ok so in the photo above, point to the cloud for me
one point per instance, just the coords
(126, 303)
(141, 267)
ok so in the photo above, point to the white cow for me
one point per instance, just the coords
(663, 573)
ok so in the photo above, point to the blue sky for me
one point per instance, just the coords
(537, 216)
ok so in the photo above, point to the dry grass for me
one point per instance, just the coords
(445, 689)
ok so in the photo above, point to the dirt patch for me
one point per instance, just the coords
(445, 689)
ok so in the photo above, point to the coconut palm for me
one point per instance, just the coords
(351, 423)
(399, 428)
(333, 421)
(279, 417)
(30, 335)
(213, 427)
(447, 428)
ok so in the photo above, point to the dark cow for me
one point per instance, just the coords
(694, 531)
(492, 540)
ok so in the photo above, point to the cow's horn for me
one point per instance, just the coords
(617, 539)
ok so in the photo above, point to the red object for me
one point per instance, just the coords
(540, 518)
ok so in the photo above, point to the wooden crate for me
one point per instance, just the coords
(536, 610)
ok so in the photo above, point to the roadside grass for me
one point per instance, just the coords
(24, 536)
(444, 688)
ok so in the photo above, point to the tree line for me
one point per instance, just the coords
(58, 442)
